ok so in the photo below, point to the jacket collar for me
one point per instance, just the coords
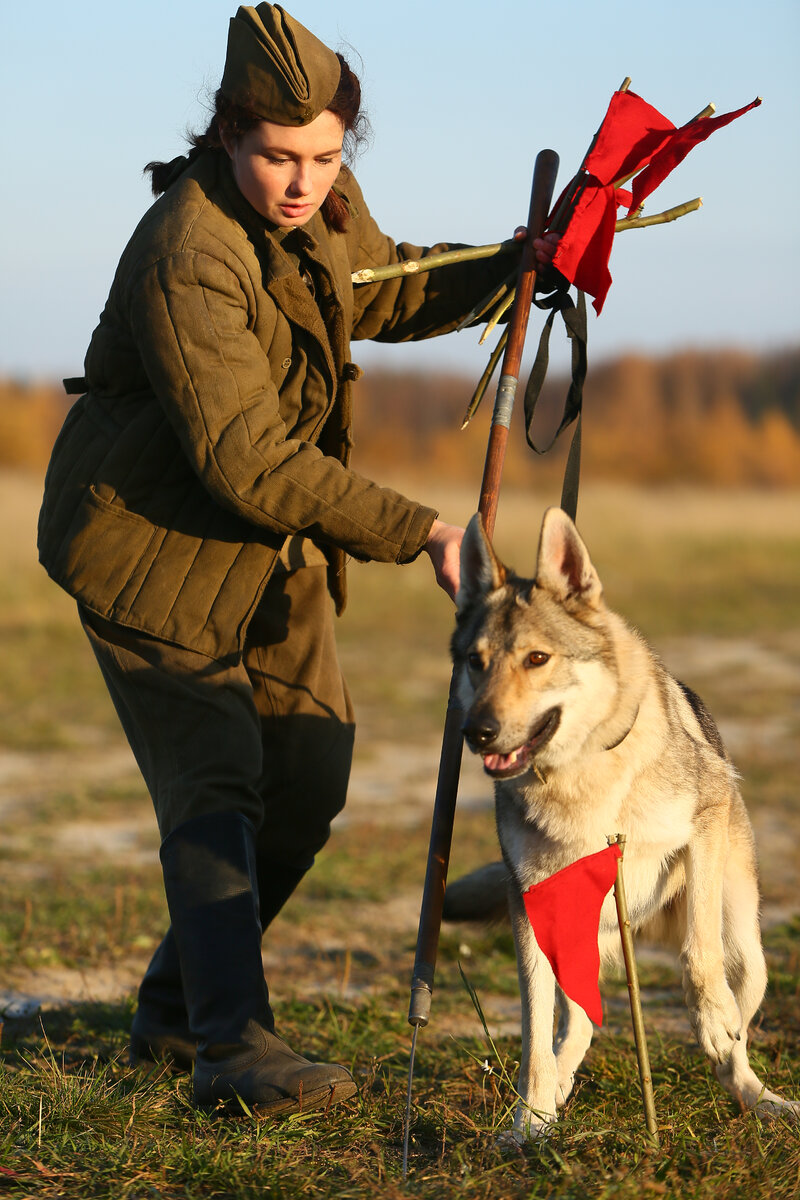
(282, 280)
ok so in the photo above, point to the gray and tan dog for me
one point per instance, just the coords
(585, 735)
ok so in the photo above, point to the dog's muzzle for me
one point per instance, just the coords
(481, 732)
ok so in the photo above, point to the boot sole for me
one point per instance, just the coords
(312, 1101)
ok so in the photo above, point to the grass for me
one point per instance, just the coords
(713, 580)
(77, 1121)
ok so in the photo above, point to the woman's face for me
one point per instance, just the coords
(286, 171)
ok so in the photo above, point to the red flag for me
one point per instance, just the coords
(584, 250)
(564, 912)
(633, 137)
(676, 148)
(631, 133)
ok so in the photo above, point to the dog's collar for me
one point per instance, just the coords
(620, 740)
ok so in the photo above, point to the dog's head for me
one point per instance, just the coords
(534, 663)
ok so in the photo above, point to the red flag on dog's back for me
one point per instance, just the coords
(564, 912)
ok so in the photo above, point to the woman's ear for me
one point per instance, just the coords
(228, 143)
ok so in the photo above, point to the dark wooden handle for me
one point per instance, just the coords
(430, 919)
(544, 178)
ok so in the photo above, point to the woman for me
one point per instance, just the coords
(200, 507)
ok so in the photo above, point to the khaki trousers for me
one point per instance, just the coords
(269, 735)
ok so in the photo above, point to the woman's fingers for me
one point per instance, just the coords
(444, 549)
(545, 246)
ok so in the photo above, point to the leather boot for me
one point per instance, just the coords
(160, 1030)
(212, 892)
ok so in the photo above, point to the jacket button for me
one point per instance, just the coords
(287, 362)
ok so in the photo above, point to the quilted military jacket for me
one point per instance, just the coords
(217, 416)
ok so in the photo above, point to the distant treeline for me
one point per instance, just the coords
(719, 417)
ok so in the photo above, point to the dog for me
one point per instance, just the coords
(586, 735)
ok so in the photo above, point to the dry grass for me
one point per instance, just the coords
(711, 578)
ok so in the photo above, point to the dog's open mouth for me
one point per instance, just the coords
(507, 766)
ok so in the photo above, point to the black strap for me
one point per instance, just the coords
(574, 318)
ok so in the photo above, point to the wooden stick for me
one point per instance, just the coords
(502, 308)
(708, 111)
(493, 297)
(543, 182)
(671, 214)
(414, 266)
(485, 378)
(645, 1077)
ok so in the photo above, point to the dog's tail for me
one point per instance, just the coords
(480, 896)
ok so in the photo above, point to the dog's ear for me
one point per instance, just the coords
(563, 566)
(481, 569)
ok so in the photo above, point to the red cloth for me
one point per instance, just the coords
(564, 912)
(674, 151)
(633, 137)
(631, 132)
(584, 250)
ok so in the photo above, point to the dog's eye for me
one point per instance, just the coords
(474, 661)
(537, 658)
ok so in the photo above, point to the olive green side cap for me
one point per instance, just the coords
(276, 68)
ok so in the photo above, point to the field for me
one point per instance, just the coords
(711, 577)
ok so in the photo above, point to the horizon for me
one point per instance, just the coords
(452, 369)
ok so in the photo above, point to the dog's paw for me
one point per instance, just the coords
(530, 1125)
(717, 1023)
(510, 1141)
(513, 1141)
(772, 1106)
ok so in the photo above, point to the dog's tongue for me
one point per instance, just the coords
(502, 762)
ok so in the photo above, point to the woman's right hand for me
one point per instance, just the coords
(443, 547)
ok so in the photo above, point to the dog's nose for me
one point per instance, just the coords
(481, 731)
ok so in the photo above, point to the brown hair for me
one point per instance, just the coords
(237, 120)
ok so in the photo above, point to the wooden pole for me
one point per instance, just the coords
(430, 919)
(645, 1077)
(444, 806)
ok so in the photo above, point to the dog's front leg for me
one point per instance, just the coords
(713, 1011)
(538, 1076)
(573, 1038)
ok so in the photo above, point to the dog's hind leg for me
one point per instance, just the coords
(537, 1087)
(572, 1040)
(747, 975)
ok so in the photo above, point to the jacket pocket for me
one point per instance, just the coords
(104, 548)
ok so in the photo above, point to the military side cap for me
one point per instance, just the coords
(275, 67)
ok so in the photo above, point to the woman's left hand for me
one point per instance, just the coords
(544, 246)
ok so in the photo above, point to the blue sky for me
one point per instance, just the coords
(461, 97)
